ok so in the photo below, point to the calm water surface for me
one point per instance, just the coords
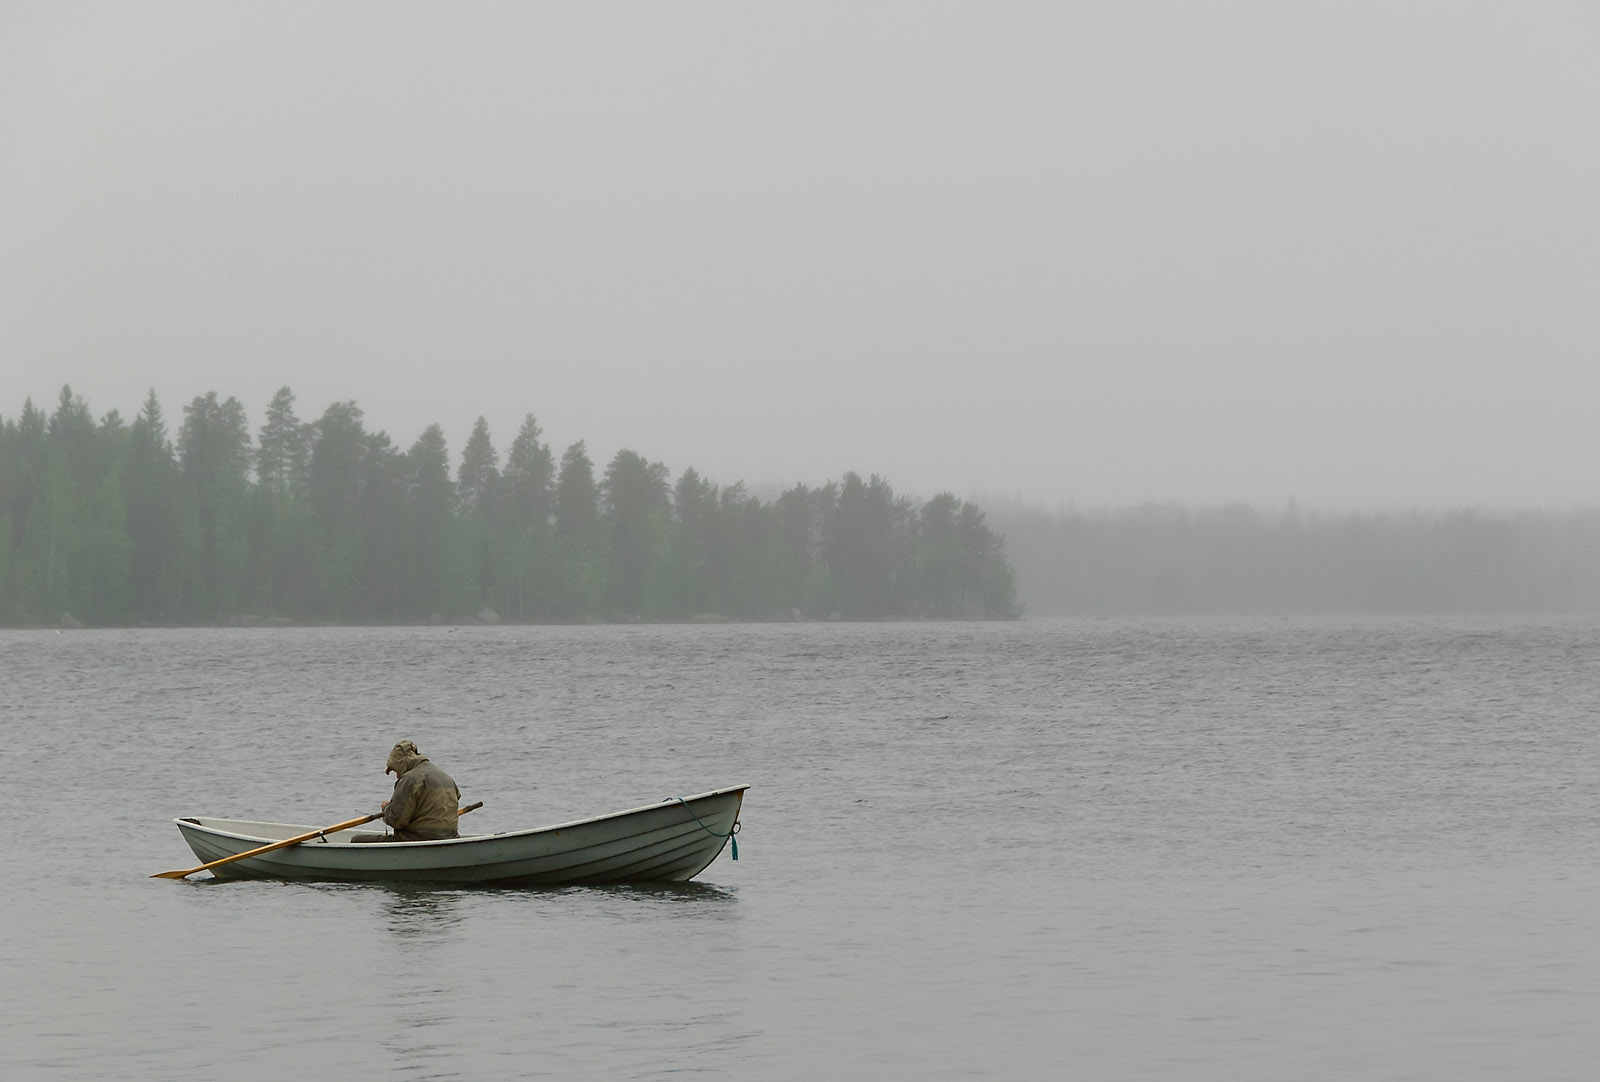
(1109, 850)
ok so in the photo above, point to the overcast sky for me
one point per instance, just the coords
(1344, 253)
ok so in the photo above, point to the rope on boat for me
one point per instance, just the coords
(713, 833)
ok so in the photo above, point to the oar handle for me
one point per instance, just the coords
(470, 807)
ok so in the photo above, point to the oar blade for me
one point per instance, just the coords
(174, 875)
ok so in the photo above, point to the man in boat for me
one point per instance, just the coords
(423, 807)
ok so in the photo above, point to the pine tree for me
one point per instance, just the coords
(283, 456)
(578, 579)
(214, 459)
(431, 497)
(150, 494)
(479, 473)
(636, 502)
(525, 525)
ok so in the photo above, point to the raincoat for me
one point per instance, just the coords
(425, 800)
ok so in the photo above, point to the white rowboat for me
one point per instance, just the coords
(667, 842)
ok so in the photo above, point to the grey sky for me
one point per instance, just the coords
(1347, 253)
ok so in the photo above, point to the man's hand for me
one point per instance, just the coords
(384, 805)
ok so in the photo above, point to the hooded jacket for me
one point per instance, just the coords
(425, 800)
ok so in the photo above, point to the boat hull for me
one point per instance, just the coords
(668, 842)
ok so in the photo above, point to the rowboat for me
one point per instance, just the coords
(667, 842)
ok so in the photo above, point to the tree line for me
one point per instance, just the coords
(115, 523)
(1163, 559)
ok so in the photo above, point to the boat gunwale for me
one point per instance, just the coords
(189, 823)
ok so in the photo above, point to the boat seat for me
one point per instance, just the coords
(368, 836)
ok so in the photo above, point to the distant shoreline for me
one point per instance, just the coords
(260, 623)
(718, 621)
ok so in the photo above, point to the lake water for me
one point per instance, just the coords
(1232, 850)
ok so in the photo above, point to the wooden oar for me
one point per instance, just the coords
(296, 840)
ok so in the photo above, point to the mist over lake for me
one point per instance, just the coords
(1170, 560)
(1116, 481)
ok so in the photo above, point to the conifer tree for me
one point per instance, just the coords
(479, 474)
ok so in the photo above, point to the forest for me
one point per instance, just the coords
(114, 523)
(1168, 560)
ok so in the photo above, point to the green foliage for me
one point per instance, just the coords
(577, 515)
(479, 476)
(635, 512)
(283, 457)
(119, 524)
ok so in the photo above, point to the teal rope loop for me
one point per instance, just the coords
(708, 830)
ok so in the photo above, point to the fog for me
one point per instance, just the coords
(1175, 561)
(1344, 254)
